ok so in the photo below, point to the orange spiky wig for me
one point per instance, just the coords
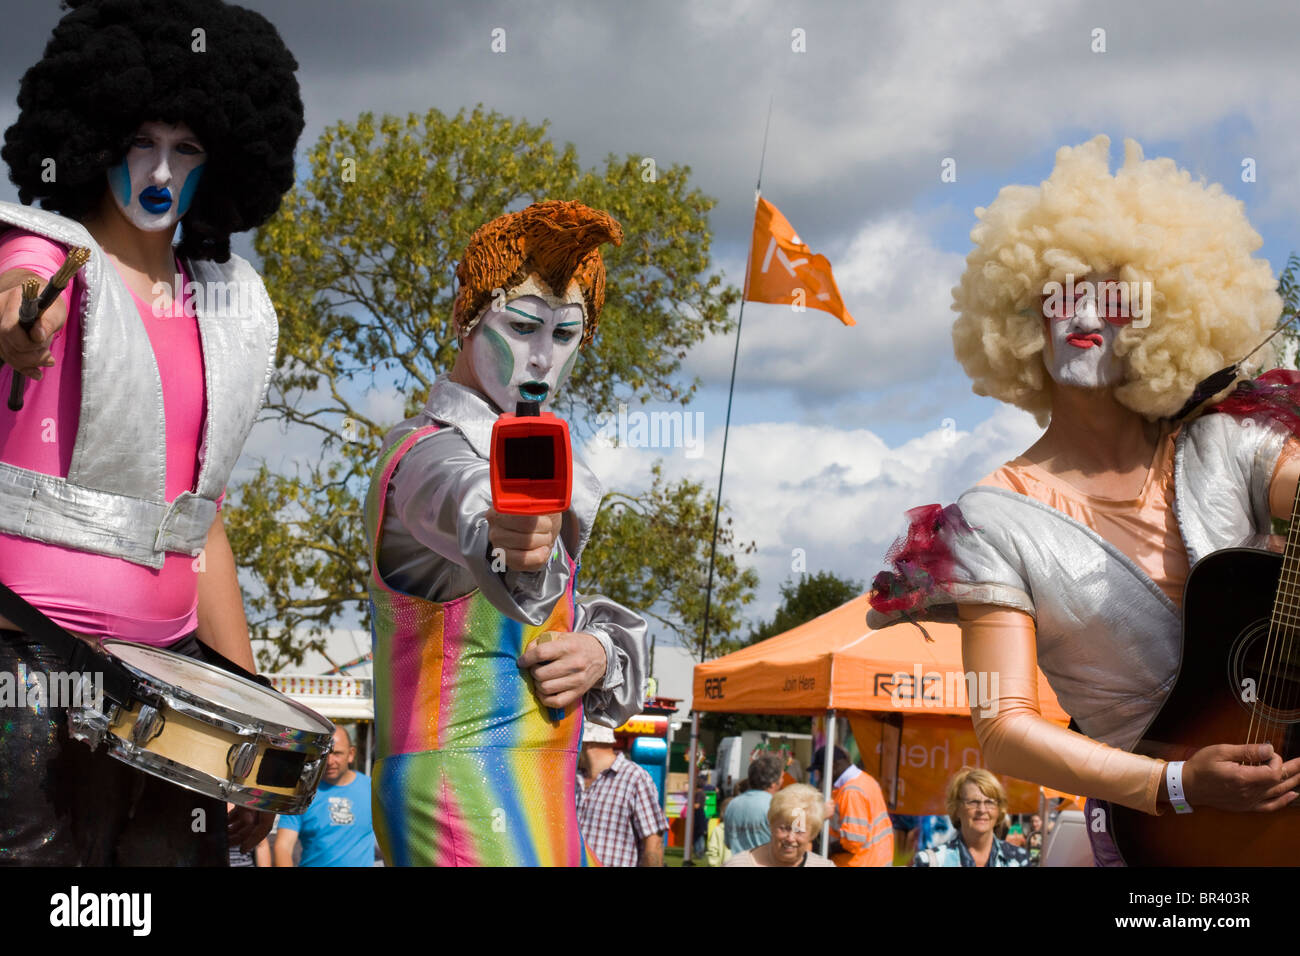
(558, 241)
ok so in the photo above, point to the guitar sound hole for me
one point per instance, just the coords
(1269, 691)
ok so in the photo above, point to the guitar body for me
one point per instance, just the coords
(1228, 605)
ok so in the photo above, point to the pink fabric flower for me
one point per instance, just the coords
(921, 560)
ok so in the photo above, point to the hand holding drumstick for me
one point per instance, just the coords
(28, 352)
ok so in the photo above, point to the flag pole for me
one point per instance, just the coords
(731, 390)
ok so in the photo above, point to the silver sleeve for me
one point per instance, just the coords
(622, 635)
(987, 568)
(440, 494)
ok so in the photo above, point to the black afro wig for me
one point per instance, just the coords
(114, 64)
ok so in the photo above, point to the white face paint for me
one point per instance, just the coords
(526, 350)
(1082, 350)
(155, 182)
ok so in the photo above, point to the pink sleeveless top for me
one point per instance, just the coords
(82, 591)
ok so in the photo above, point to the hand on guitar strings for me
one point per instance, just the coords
(1240, 778)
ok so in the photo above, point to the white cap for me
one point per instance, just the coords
(596, 734)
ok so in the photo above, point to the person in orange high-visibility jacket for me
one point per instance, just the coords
(861, 833)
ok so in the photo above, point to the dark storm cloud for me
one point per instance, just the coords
(861, 119)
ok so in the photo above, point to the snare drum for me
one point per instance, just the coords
(215, 733)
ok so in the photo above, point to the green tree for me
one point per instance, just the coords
(1288, 287)
(811, 596)
(360, 260)
(651, 552)
(801, 601)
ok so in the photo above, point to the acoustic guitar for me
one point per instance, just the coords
(1239, 682)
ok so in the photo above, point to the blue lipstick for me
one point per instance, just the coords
(155, 200)
(534, 391)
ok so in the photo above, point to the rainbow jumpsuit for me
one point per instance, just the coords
(470, 769)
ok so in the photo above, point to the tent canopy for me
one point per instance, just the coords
(836, 662)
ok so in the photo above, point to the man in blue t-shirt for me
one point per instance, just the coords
(745, 826)
(335, 830)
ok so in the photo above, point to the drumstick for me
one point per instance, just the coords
(28, 312)
(28, 309)
(32, 307)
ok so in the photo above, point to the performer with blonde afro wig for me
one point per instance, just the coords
(478, 719)
(1099, 303)
(1149, 223)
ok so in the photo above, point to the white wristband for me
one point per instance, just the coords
(1174, 781)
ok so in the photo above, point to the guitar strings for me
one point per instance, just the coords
(1286, 665)
(1282, 625)
(1282, 618)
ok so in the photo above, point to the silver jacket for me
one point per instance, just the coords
(112, 501)
(1109, 640)
(434, 541)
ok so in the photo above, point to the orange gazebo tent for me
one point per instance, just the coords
(906, 698)
(835, 662)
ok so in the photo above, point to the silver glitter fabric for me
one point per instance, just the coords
(1109, 640)
(112, 500)
(434, 542)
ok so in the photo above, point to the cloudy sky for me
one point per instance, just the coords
(836, 430)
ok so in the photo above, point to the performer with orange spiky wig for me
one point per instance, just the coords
(472, 770)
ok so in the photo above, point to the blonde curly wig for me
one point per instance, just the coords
(1212, 301)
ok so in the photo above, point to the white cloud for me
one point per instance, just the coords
(895, 283)
(838, 494)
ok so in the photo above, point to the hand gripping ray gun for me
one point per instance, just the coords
(531, 464)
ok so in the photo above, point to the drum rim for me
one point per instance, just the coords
(236, 721)
(197, 781)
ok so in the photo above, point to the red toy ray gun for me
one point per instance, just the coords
(531, 463)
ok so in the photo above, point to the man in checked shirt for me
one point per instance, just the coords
(618, 805)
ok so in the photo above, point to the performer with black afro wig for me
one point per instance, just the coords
(232, 84)
(138, 384)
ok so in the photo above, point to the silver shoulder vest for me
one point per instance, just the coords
(112, 500)
(1109, 640)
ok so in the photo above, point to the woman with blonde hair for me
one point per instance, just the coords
(1100, 303)
(795, 817)
(977, 804)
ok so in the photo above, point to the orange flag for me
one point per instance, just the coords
(783, 271)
